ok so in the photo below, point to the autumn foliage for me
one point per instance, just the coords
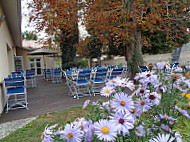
(125, 23)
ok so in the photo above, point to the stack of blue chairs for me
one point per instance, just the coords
(47, 74)
(30, 78)
(15, 91)
(82, 83)
(114, 73)
(98, 80)
(57, 75)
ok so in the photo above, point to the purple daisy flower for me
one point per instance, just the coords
(187, 83)
(160, 87)
(49, 133)
(166, 117)
(187, 67)
(72, 134)
(123, 122)
(139, 131)
(178, 136)
(104, 130)
(154, 98)
(165, 127)
(111, 83)
(143, 105)
(177, 69)
(146, 78)
(122, 103)
(123, 82)
(106, 105)
(134, 112)
(82, 125)
(88, 136)
(94, 103)
(184, 112)
(141, 92)
(162, 138)
(107, 91)
(161, 65)
(86, 103)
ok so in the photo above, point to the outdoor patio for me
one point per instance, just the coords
(47, 97)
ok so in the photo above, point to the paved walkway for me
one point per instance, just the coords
(46, 97)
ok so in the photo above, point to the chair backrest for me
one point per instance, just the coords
(86, 70)
(116, 72)
(143, 68)
(172, 65)
(101, 69)
(73, 68)
(100, 74)
(83, 75)
(14, 82)
(176, 64)
(57, 71)
(111, 67)
(17, 72)
(48, 71)
(30, 72)
(119, 66)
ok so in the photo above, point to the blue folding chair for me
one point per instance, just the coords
(68, 75)
(143, 68)
(57, 75)
(47, 74)
(82, 84)
(15, 91)
(170, 69)
(176, 64)
(98, 80)
(30, 78)
(114, 73)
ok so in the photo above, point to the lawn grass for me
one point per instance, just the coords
(32, 132)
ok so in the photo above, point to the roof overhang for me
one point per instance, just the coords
(12, 11)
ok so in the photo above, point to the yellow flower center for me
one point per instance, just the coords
(81, 127)
(142, 103)
(123, 103)
(105, 130)
(107, 91)
(111, 107)
(136, 123)
(189, 104)
(70, 135)
(183, 94)
(138, 131)
(133, 111)
(188, 96)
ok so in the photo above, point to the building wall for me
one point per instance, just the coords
(7, 52)
(46, 59)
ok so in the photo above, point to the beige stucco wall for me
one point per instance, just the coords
(49, 61)
(7, 52)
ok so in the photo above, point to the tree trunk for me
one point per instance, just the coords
(133, 53)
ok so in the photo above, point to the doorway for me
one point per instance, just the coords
(35, 64)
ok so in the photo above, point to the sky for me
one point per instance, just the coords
(25, 21)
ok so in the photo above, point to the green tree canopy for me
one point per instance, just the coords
(29, 35)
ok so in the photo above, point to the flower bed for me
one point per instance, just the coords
(150, 113)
